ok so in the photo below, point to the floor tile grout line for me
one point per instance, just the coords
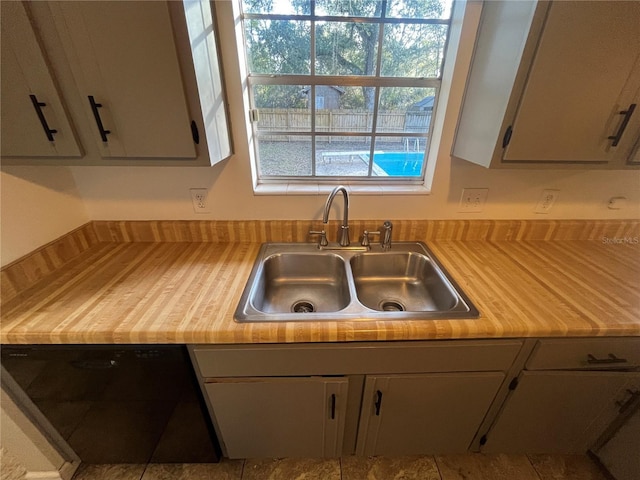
(244, 462)
(534, 467)
(435, 460)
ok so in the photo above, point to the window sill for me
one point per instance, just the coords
(323, 189)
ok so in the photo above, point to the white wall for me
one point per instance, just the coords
(37, 205)
(27, 447)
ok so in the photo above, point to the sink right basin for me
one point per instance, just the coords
(401, 282)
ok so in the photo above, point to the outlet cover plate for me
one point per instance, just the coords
(199, 200)
(473, 200)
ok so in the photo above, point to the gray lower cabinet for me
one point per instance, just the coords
(560, 412)
(419, 414)
(568, 393)
(367, 398)
(279, 417)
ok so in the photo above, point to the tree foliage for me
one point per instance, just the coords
(347, 48)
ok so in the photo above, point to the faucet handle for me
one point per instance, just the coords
(365, 238)
(385, 239)
(323, 237)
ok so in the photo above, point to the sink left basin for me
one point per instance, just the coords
(297, 282)
(301, 283)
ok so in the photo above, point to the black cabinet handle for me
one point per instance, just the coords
(378, 403)
(627, 116)
(43, 121)
(333, 406)
(96, 114)
(611, 358)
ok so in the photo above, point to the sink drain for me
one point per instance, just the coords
(391, 306)
(303, 306)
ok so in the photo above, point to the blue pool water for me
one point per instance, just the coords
(400, 164)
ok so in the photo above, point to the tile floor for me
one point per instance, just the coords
(446, 467)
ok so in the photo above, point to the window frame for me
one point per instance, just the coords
(312, 80)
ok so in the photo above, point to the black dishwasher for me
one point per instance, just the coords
(118, 403)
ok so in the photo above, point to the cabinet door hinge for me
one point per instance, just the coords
(514, 384)
(507, 136)
(194, 132)
(483, 439)
(254, 115)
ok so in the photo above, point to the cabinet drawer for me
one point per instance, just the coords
(359, 358)
(595, 353)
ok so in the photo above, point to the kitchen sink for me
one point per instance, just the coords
(301, 282)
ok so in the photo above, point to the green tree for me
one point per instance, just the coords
(348, 48)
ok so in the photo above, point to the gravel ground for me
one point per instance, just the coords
(294, 158)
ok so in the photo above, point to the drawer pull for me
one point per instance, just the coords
(611, 358)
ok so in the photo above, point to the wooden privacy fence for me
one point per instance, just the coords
(299, 120)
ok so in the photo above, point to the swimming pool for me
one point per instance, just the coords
(399, 164)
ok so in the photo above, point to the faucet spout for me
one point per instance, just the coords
(343, 233)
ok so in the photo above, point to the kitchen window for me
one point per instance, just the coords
(344, 90)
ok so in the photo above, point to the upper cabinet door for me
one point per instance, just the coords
(553, 83)
(125, 66)
(201, 30)
(580, 82)
(34, 120)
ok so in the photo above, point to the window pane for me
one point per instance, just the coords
(347, 109)
(278, 46)
(398, 157)
(405, 109)
(279, 7)
(419, 8)
(342, 156)
(349, 8)
(346, 48)
(398, 164)
(413, 50)
(283, 108)
(284, 155)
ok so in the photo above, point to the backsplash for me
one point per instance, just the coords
(403, 230)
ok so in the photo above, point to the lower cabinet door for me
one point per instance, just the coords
(424, 414)
(560, 411)
(279, 417)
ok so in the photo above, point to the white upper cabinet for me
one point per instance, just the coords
(553, 83)
(34, 119)
(124, 63)
(127, 72)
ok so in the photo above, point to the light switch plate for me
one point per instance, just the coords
(546, 201)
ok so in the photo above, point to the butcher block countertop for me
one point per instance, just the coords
(180, 282)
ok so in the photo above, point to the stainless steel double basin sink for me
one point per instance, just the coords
(300, 282)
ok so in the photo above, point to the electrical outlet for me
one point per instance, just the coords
(473, 199)
(547, 199)
(199, 200)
